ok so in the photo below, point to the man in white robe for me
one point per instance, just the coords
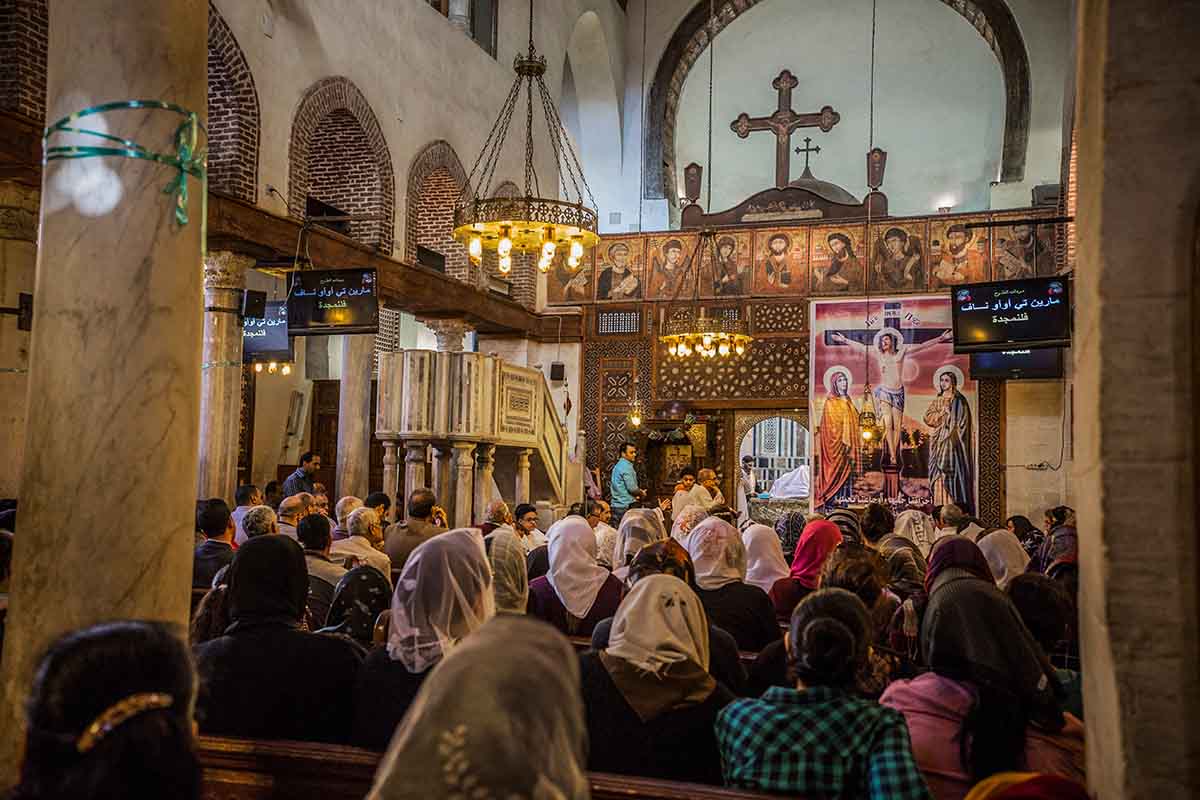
(792, 485)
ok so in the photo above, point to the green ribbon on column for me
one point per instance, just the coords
(189, 159)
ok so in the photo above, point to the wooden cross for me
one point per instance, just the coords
(806, 150)
(783, 123)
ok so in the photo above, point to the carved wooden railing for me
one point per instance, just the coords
(471, 397)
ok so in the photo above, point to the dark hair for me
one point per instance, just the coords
(687, 471)
(1022, 527)
(830, 636)
(272, 495)
(1044, 606)
(625, 446)
(523, 509)
(213, 518)
(200, 506)
(378, 499)
(877, 522)
(307, 456)
(421, 503)
(211, 617)
(724, 512)
(857, 569)
(936, 513)
(1058, 514)
(314, 532)
(537, 563)
(667, 557)
(82, 675)
(6, 550)
(244, 494)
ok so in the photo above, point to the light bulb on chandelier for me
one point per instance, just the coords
(475, 250)
(576, 249)
(286, 369)
(573, 263)
(272, 367)
(258, 367)
(504, 264)
(505, 246)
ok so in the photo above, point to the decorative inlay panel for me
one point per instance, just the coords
(991, 448)
(771, 368)
(779, 318)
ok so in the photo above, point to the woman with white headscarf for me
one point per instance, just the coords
(443, 594)
(685, 520)
(650, 700)
(918, 527)
(577, 592)
(1005, 555)
(510, 579)
(743, 610)
(765, 563)
(512, 730)
(639, 527)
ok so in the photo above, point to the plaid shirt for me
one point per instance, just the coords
(819, 743)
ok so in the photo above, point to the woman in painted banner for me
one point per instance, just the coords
(838, 436)
(951, 466)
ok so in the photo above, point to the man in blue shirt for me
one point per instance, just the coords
(302, 479)
(623, 484)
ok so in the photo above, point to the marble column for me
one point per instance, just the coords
(354, 416)
(414, 470)
(221, 373)
(114, 364)
(522, 488)
(1137, 365)
(443, 478)
(18, 264)
(485, 462)
(464, 483)
(451, 334)
(391, 478)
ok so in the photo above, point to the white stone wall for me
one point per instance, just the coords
(1037, 416)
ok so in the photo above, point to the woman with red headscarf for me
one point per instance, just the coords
(816, 543)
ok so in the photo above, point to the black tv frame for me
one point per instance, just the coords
(1017, 374)
(1010, 344)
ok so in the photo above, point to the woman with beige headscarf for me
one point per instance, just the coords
(743, 610)
(650, 700)
(639, 527)
(577, 592)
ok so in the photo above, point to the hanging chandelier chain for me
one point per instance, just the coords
(491, 147)
(531, 179)
(712, 56)
(571, 161)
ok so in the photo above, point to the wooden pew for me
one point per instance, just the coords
(246, 769)
(581, 643)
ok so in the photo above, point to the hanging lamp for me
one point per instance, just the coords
(869, 426)
(689, 328)
(530, 223)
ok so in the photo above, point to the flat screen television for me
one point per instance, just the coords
(1024, 363)
(1007, 315)
(266, 339)
(328, 301)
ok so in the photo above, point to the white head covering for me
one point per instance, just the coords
(444, 593)
(639, 527)
(717, 553)
(685, 520)
(514, 729)
(511, 577)
(764, 557)
(918, 528)
(660, 622)
(606, 543)
(1004, 555)
(574, 573)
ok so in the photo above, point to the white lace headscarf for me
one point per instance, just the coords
(918, 528)
(765, 563)
(639, 527)
(717, 553)
(501, 718)
(443, 594)
(686, 520)
(574, 573)
(509, 572)
(659, 623)
(1004, 554)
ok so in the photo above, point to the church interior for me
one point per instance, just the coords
(679, 399)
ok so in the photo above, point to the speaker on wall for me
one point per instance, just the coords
(254, 304)
(558, 371)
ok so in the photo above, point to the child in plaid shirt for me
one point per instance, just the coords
(821, 740)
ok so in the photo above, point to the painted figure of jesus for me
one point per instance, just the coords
(890, 354)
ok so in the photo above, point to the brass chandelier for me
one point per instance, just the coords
(689, 329)
(530, 223)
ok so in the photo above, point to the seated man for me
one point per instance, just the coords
(216, 551)
(527, 527)
(292, 510)
(341, 512)
(323, 572)
(247, 497)
(260, 521)
(380, 503)
(366, 535)
(403, 537)
(496, 516)
(689, 493)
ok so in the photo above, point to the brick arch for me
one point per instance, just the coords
(435, 180)
(24, 38)
(338, 154)
(992, 20)
(233, 114)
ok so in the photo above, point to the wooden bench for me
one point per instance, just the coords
(247, 769)
(581, 643)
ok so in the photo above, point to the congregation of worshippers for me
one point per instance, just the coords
(599, 399)
(853, 654)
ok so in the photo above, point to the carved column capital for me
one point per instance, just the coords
(19, 207)
(450, 333)
(226, 270)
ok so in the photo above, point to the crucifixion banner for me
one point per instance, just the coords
(892, 356)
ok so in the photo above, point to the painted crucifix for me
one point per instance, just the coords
(783, 123)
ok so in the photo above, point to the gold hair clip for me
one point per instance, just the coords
(119, 712)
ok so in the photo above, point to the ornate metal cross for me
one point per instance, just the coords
(807, 150)
(783, 123)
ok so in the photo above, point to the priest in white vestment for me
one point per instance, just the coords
(792, 485)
